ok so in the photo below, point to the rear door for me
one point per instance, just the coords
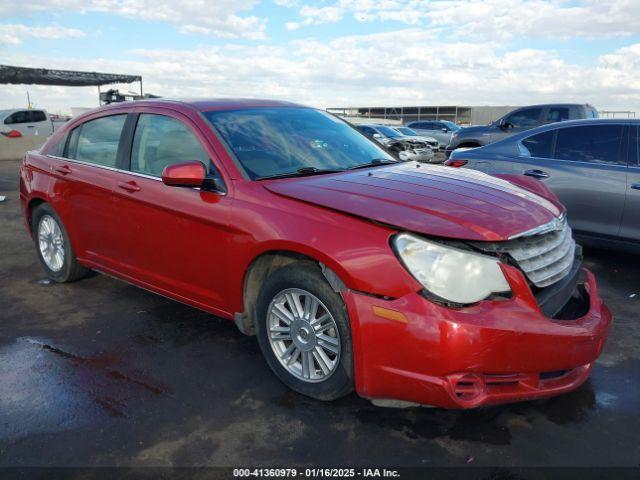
(177, 237)
(630, 226)
(82, 188)
(585, 167)
(41, 124)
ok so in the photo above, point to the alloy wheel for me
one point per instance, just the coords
(303, 335)
(51, 243)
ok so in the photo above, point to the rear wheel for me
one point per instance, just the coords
(303, 331)
(54, 249)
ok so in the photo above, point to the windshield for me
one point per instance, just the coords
(452, 126)
(407, 131)
(387, 131)
(284, 140)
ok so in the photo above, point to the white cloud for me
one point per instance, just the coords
(220, 18)
(15, 34)
(490, 18)
(391, 68)
(317, 15)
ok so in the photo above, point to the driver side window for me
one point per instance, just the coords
(160, 141)
(524, 118)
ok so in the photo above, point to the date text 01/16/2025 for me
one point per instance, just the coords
(315, 473)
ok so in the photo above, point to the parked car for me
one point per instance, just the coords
(407, 132)
(518, 121)
(441, 130)
(591, 165)
(25, 123)
(399, 145)
(403, 281)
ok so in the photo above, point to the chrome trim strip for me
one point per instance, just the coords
(128, 172)
(104, 167)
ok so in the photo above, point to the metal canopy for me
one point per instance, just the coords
(44, 76)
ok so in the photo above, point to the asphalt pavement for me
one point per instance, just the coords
(101, 373)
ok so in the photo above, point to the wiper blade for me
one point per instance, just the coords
(302, 172)
(373, 163)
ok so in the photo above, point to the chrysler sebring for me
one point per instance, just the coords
(399, 280)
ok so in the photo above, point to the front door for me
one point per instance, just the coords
(176, 237)
(518, 121)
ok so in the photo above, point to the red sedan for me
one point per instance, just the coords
(403, 281)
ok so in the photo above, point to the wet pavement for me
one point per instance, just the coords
(98, 373)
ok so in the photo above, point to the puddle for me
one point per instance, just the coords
(46, 388)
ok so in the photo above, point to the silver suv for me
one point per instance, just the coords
(518, 121)
(441, 130)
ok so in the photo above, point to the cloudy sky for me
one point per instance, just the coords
(334, 52)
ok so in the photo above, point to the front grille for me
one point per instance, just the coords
(544, 258)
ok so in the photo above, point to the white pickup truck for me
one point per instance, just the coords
(25, 123)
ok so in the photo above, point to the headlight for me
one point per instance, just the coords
(451, 274)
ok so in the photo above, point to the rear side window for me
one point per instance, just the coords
(98, 140)
(558, 114)
(525, 118)
(160, 141)
(38, 116)
(589, 143)
(58, 149)
(17, 117)
(539, 145)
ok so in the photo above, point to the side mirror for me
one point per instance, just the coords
(445, 130)
(377, 135)
(184, 174)
(505, 125)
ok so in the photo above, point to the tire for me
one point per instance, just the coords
(63, 267)
(333, 372)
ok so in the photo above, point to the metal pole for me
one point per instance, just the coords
(99, 101)
(140, 87)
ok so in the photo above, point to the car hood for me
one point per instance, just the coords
(427, 199)
(422, 138)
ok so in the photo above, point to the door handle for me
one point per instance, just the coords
(63, 169)
(635, 186)
(129, 186)
(536, 174)
(31, 126)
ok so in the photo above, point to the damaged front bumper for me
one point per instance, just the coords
(496, 351)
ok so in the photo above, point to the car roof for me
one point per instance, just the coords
(582, 121)
(556, 105)
(515, 138)
(207, 104)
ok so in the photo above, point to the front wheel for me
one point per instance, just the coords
(303, 331)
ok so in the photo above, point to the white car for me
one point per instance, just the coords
(403, 147)
(25, 123)
(407, 132)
